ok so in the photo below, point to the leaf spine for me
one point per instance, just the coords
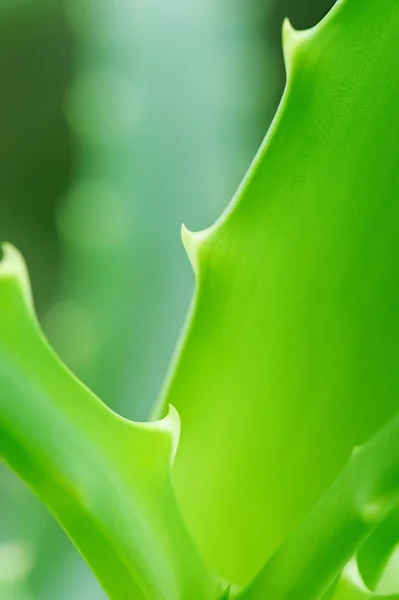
(293, 42)
(192, 242)
(12, 266)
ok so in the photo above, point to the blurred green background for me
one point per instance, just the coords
(119, 120)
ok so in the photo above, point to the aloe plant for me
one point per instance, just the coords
(273, 470)
(150, 140)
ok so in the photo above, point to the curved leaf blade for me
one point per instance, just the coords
(294, 327)
(106, 479)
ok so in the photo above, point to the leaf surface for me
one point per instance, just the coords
(106, 479)
(289, 359)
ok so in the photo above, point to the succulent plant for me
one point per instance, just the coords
(272, 471)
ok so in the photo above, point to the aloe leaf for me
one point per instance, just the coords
(106, 479)
(289, 359)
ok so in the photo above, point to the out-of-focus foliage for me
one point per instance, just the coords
(166, 108)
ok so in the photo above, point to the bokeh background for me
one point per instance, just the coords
(119, 120)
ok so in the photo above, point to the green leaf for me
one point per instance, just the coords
(290, 355)
(106, 479)
(351, 587)
(311, 559)
(375, 554)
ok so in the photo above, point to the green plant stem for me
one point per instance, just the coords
(361, 497)
(350, 586)
(374, 555)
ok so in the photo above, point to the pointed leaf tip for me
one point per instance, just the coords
(190, 245)
(226, 593)
(289, 33)
(290, 38)
(12, 266)
(171, 423)
(167, 428)
(292, 41)
(193, 242)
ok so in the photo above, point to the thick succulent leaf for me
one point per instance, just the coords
(290, 354)
(106, 479)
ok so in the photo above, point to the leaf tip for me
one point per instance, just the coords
(192, 242)
(12, 266)
(290, 42)
(190, 245)
(171, 425)
(293, 41)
